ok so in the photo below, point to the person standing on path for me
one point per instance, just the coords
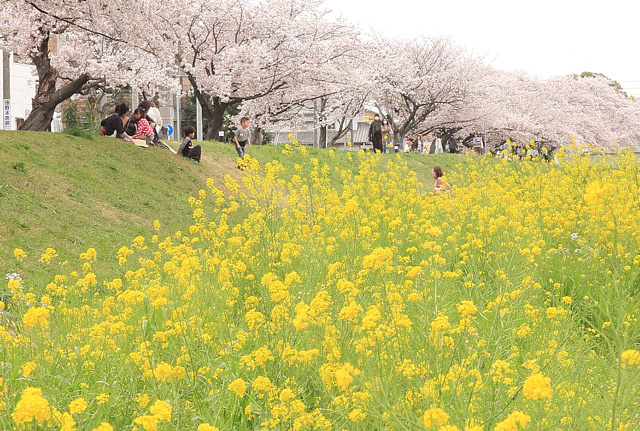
(375, 133)
(438, 144)
(386, 134)
(477, 144)
(242, 137)
(452, 144)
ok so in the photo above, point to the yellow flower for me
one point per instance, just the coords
(64, 420)
(49, 254)
(102, 398)
(466, 308)
(36, 316)
(262, 384)
(344, 376)
(142, 400)
(148, 423)
(630, 358)
(238, 386)
(163, 371)
(19, 254)
(32, 406)
(512, 422)
(207, 427)
(161, 410)
(104, 426)
(435, 417)
(28, 368)
(78, 405)
(537, 387)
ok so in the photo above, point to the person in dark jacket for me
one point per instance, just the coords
(187, 149)
(452, 143)
(375, 133)
(114, 123)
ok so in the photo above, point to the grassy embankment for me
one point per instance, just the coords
(71, 193)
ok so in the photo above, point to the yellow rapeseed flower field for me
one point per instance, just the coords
(297, 302)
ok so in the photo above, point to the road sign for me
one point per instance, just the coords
(170, 131)
(6, 113)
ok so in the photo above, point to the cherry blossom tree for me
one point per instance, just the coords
(267, 56)
(518, 107)
(422, 77)
(76, 46)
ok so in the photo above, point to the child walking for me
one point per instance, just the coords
(242, 137)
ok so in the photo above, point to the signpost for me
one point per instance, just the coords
(169, 129)
(6, 114)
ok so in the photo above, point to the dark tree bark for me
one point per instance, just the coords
(48, 96)
(257, 138)
(213, 113)
(343, 128)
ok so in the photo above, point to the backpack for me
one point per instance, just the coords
(131, 128)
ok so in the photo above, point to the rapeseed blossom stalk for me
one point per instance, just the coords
(306, 295)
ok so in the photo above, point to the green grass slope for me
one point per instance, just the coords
(72, 193)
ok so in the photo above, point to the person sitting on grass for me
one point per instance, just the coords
(440, 187)
(144, 130)
(146, 106)
(113, 125)
(187, 149)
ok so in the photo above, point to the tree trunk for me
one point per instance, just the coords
(47, 96)
(342, 131)
(322, 138)
(213, 115)
(214, 123)
(257, 138)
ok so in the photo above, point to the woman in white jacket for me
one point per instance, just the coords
(154, 114)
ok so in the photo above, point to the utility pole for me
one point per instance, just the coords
(484, 136)
(6, 90)
(178, 132)
(135, 99)
(316, 144)
(199, 119)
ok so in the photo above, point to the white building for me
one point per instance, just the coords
(19, 84)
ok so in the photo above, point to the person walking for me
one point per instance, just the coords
(242, 137)
(428, 144)
(477, 144)
(438, 144)
(387, 138)
(419, 144)
(452, 144)
(375, 133)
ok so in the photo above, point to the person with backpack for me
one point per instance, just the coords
(113, 125)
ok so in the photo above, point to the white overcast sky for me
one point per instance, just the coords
(543, 37)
